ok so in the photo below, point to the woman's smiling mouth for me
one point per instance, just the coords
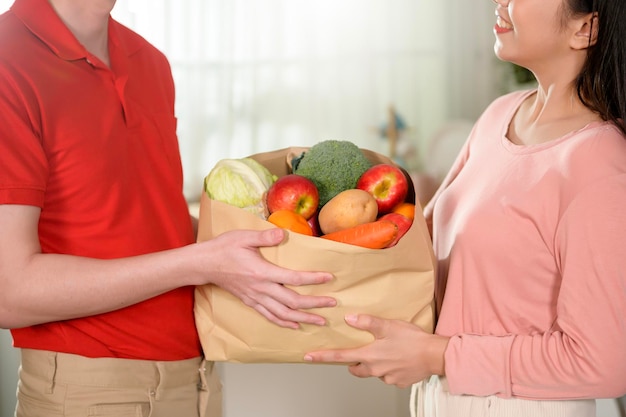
(502, 25)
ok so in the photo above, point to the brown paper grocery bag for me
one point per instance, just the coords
(395, 283)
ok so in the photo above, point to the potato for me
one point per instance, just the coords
(349, 208)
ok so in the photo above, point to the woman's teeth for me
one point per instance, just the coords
(503, 23)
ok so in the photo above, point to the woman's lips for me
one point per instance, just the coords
(502, 25)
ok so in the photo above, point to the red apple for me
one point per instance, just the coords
(315, 224)
(387, 183)
(403, 223)
(295, 193)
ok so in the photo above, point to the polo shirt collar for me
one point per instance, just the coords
(42, 20)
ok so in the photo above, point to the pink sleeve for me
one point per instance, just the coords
(583, 354)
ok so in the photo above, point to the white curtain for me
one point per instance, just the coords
(258, 75)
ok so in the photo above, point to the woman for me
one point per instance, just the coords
(528, 229)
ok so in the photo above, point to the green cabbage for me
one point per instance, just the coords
(241, 183)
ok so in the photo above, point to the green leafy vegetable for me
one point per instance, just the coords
(241, 183)
(333, 165)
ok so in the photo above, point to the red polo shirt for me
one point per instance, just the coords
(96, 149)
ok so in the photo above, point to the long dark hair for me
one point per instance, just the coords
(601, 84)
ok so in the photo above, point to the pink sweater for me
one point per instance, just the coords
(531, 241)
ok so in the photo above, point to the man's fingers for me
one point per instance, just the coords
(271, 317)
(273, 237)
(296, 301)
(287, 304)
(270, 237)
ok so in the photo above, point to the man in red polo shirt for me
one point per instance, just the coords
(97, 255)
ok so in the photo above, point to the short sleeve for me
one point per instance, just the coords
(23, 162)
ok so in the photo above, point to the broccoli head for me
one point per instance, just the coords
(333, 165)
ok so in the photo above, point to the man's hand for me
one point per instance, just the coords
(239, 268)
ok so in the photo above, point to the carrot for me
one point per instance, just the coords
(290, 220)
(373, 235)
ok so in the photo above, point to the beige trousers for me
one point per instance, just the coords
(430, 398)
(55, 384)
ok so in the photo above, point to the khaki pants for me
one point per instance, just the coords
(57, 384)
(430, 398)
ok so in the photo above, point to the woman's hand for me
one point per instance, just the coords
(238, 267)
(401, 354)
